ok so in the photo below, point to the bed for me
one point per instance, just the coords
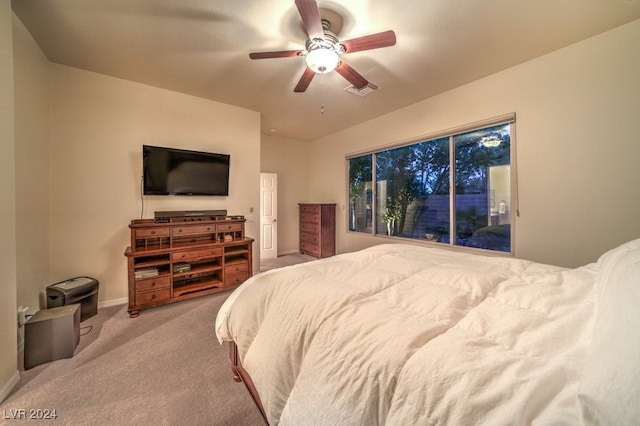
(401, 334)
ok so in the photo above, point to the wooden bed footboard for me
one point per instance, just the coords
(241, 375)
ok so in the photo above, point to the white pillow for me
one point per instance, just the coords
(609, 392)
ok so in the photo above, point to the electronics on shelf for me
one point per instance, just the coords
(192, 216)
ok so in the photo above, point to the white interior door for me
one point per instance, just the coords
(268, 215)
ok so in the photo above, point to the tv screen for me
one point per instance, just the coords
(170, 171)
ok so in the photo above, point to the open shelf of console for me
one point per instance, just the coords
(196, 285)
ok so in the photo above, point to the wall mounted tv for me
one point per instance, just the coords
(171, 171)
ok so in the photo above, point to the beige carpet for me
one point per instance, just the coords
(163, 368)
(287, 260)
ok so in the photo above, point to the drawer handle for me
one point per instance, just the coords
(153, 232)
(179, 230)
(153, 284)
(153, 297)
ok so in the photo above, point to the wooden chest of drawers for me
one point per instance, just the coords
(318, 229)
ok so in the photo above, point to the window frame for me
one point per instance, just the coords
(450, 134)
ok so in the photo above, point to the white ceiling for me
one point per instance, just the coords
(201, 47)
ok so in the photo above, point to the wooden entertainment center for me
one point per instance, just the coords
(178, 258)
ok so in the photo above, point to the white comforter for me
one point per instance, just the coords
(403, 335)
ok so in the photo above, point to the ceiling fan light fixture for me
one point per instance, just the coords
(322, 60)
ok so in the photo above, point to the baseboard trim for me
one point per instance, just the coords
(8, 387)
(283, 253)
(113, 302)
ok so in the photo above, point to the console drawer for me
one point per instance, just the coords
(154, 283)
(236, 268)
(151, 232)
(196, 254)
(149, 297)
(229, 227)
(193, 230)
(233, 280)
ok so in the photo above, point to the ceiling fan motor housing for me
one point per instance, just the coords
(330, 42)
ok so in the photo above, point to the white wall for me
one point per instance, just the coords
(290, 160)
(71, 174)
(32, 103)
(8, 312)
(577, 136)
(98, 126)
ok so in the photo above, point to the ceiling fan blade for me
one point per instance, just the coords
(351, 75)
(373, 41)
(305, 80)
(308, 10)
(277, 54)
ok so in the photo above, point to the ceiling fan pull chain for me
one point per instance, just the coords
(321, 94)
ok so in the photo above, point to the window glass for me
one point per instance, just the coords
(482, 176)
(412, 191)
(361, 193)
(406, 192)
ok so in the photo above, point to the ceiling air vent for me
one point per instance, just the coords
(365, 91)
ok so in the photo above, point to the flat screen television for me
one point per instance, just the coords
(171, 171)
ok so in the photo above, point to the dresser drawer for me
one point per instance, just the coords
(307, 247)
(151, 232)
(310, 209)
(154, 283)
(196, 254)
(308, 237)
(236, 268)
(313, 228)
(193, 230)
(150, 297)
(310, 217)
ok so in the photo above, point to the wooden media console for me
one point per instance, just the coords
(184, 257)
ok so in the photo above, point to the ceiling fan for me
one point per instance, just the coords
(323, 49)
